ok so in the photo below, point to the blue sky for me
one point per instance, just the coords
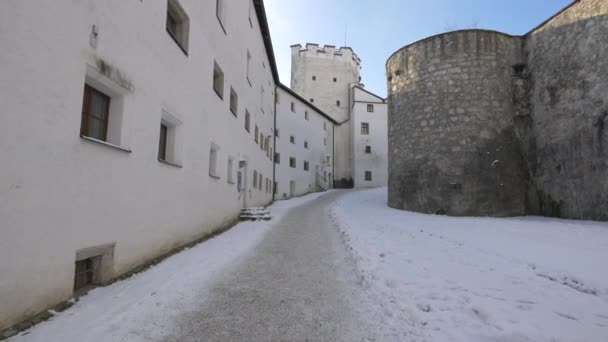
(377, 28)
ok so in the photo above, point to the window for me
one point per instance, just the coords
(292, 139)
(234, 102)
(312, 100)
(86, 273)
(247, 120)
(306, 144)
(168, 141)
(365, 128)
(335, 80)
(370, 108)
(306, 115)
(262, 99)
(314, 78)
(306, 166)
(255, 179)
(213, 160)
(257, 130)
(178, 24)
(325, 125)
(368, 176)
(230, 176)
(368, 149)
(162, 144)
(277, 158)
(248, 66)
(260, 181)
(293, 107)
(261, 141)
(276, 133)
(325, 141)
(292, 162)
(267, 147)
(95, 114)
(218, 80)
(220, 12)
(338, 103)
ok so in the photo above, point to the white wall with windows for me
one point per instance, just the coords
(162, 82)
(370, 139)
(304, 147)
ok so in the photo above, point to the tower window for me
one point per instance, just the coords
(338, 103)
(314, 78)
(335, 80)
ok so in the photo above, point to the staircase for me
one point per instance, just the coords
(255, 214)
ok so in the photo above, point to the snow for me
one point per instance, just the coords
(143, 307)
(479, 279)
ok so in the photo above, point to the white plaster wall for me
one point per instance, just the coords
(377, 160)
(319, 137)
(326, 64)
(60, 193)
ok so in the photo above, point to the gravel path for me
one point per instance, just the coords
(291, 289)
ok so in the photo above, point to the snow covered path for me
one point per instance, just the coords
(480, 279)
(284, 280)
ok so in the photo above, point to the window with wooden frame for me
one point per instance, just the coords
(306, 166)
(247, 120)
(86, 273)
(368, 176)
(365, 128)
(292, 139)
(178, 24)
(95, 114)
(306, 144)
(162, 142)
(370, 108)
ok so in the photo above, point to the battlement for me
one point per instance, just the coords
(312, 50)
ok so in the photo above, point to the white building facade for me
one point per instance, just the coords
(124, 139)
(370, 145)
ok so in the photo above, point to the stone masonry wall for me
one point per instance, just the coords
(567, 150)
(481, 123)
(452, 145)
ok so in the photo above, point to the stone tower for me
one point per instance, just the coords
(325, 76)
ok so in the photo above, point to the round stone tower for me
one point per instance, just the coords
(452, 145)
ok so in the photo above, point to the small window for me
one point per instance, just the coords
(178, 24)
(325, 125)
(213, 151)
(261, 141)
(292, 162)
(306, 144)
(368, 149)
(218, 80)
(338, 103)
(86, 273)
(230, 176)
(247, 120)
(257, 131)
(262, 99)
(312, 100)
(365, 128)
(248, 66)
(335, 80)
(325, 141)
(277, 158)
(292, 139)
(95, 114)
(162, 144)
(276, 133)
(314, 78)
(234, 102)
(220, 12)
(255, 179)
(293, 107)
(260, 181)
(306, 115)
(306, 166)
(368, 176)
(370, 108)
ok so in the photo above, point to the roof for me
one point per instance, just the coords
(263, 20)
(315, 108)
(369, 92)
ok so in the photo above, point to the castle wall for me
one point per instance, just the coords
(567, 150)
(452, 146)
